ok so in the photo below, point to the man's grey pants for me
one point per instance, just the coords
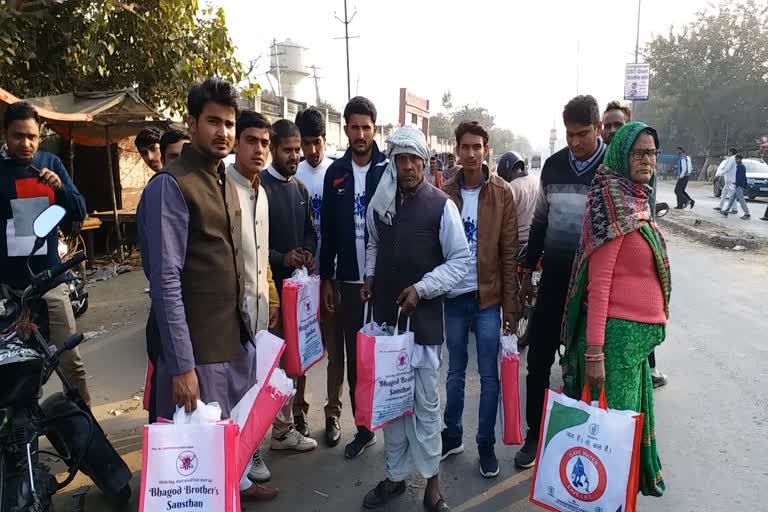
(415, 441)
(738, 194)
(61, 323)
(728, 191)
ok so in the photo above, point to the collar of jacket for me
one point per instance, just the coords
(376, 157)
(454, 186)
(192, 158)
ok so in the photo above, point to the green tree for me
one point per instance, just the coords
(708, 81)
(468, 113)
(159, 47)
(440, 125)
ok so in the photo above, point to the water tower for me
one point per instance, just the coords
(287, 66)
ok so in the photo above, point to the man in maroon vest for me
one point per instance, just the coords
(416, 253)
(189, 220)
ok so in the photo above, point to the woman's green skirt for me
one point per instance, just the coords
(628, 384)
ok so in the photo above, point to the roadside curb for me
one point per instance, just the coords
(711, 233)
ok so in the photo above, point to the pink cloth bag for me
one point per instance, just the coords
(301, 323)
(511, 423)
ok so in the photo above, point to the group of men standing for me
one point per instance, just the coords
(218, 242)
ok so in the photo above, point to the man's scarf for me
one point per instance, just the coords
(406, 140)
(616, 206)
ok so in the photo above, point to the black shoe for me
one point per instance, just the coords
(383, 494)
(489, 464)
(332, 432)
(363, 439)
(301, 425)
(439, 506)
(734, 211)
(451, 446)
(746, 216)
(526, 457)
(724, 213)
(717, 208)
(692, 204)
(658, 379)
(764, 217)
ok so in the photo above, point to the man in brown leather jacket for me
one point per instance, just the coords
(487, 294)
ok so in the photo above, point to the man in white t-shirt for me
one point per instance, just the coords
(487, 297)
(311, 172)
(349, 184)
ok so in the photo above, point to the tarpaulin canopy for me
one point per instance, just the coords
(93, 119)
(89, 118)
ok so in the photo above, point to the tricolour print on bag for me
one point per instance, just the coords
(256, 411)
(189, 465)
(301, 323)
(588, 457)
(385, 379)
(509, 399)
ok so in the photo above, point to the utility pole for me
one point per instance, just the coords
(317, 86)
(346, 21)
(636, 104)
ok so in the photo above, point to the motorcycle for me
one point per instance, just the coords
(78, 296)
(26, 363)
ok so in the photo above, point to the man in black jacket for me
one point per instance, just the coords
(349, 184)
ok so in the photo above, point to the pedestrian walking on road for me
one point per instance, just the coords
(487, 296)
(555, 232)
(618, 298)
(190, 250)
(728, 172)
(740, 185)
(417, 252)
(262, 301)
(684, 169)
(350, 182)
(311, 172)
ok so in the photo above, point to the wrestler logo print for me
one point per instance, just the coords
(470, 231)
(315, 204)
(360, 205)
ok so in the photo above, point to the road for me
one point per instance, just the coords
(712, 418)
(705, 201)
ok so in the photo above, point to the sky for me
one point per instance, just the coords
(519, 59)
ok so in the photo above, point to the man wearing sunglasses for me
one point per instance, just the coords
(31, 181)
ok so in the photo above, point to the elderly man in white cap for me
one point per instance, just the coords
(417, 252)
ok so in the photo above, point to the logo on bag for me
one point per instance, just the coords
(583, 474)
(402, 360)
(594, 429)
(186, 463)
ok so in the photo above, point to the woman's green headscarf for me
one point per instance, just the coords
(616, 206)
(617, 155)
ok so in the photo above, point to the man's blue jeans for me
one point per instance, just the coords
(460, 313)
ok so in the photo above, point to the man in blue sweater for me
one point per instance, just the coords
(738, 194)
(31, 181)
(350, 182)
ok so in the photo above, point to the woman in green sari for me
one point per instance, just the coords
(618, 301)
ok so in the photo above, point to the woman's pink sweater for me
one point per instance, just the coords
(623, 284)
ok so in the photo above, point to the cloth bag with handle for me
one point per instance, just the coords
(301, 323)
(385, 381)
(189, 464)
(588, 457)
(509, 398)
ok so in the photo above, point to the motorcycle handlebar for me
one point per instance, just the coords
(45, 277)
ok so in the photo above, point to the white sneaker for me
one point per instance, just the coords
(259, 472)
(294, 441)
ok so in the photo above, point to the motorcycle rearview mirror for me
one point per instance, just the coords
(43, 225)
